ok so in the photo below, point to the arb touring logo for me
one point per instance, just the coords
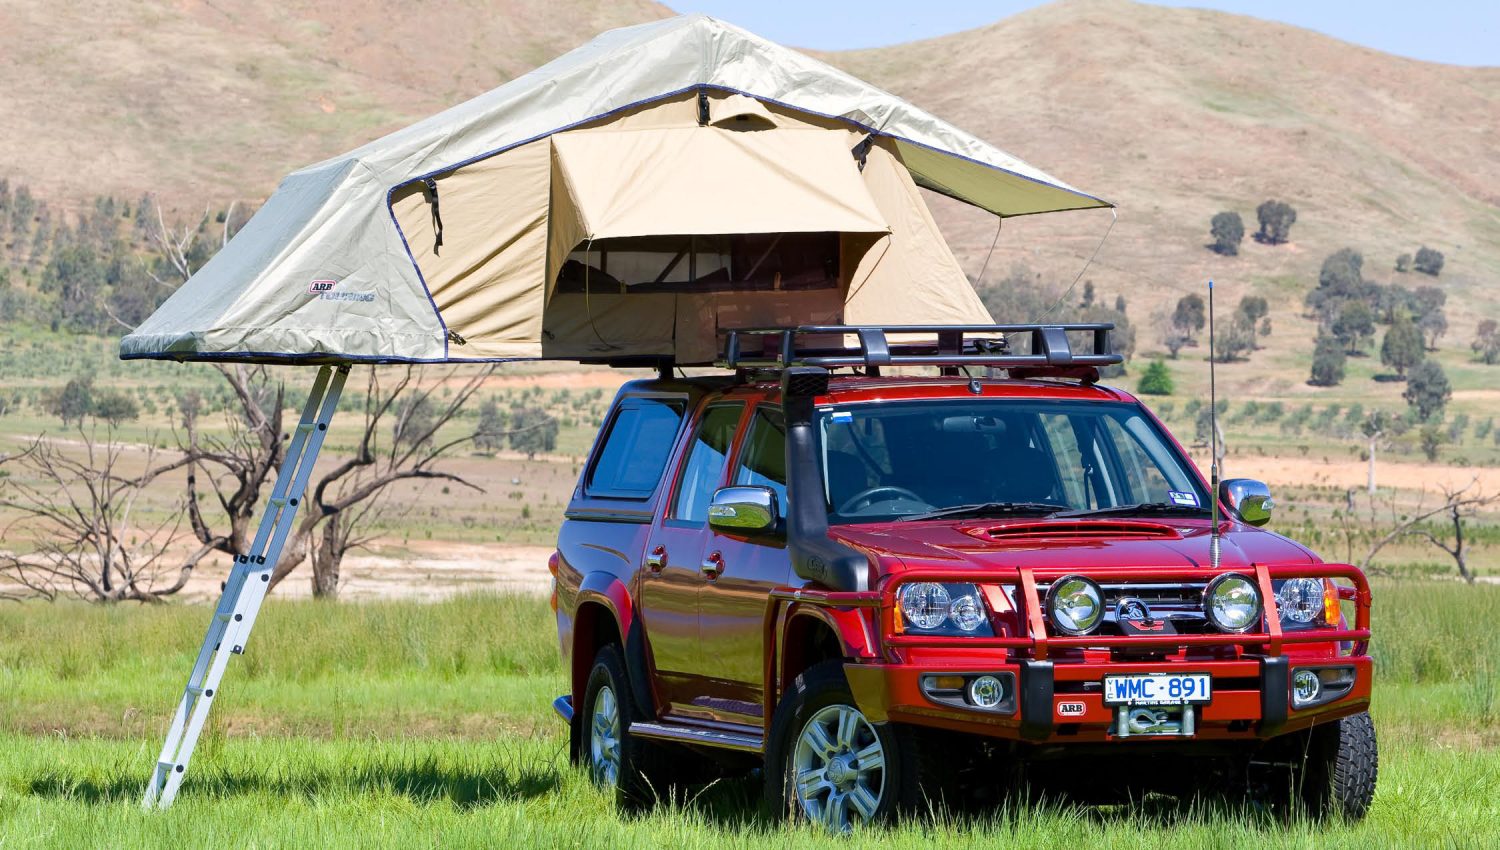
(327, 290)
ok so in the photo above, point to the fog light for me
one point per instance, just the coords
(986, 692)
(1305, 687)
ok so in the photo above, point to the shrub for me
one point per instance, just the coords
(1403, 263)
(1157, 380)
(1427, 390)
(1227, 229)
(1432, 440)
(1428, 261)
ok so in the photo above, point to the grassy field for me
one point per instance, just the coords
(406, 724)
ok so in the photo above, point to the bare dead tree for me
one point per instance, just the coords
(1458, 505)
(399, 441)
(82, 522)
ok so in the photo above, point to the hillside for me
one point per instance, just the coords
(1174, 114)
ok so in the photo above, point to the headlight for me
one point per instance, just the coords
(1300, 600)
(944, 608)
(1075, 605)
(1232, 603)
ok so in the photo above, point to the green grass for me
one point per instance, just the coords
(398, 724)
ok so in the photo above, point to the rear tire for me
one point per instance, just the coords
(1337, 779)
(634, 769)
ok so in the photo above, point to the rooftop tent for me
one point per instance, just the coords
(622, 202)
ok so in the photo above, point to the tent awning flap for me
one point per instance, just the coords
(704, 180)
(340, 263)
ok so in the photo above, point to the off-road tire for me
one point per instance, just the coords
(1338, 777)
(644, 775)
(911, 774)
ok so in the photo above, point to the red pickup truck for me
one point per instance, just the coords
(894, 591)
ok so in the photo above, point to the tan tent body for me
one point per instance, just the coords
(623, 203)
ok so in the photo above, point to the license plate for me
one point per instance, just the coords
(1158, 689)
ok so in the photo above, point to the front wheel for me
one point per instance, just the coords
(829, 764)
(1337, 777)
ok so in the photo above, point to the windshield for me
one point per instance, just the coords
(993, 457)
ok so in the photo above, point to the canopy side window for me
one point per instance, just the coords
(746, 262)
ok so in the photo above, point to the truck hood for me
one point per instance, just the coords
(1007, 545)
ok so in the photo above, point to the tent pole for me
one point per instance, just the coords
(246, 588)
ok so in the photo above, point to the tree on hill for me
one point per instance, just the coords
(73, 402)
(1157, 380)
(1276, 220)
(1402, 348)
(1354, 325)
(114, 407)
(1190, 315)
(1427, 390)
(1087, 300)
(1486, 342)
(1237, 339)
(489, 434)
(1428, 261)
(1328, 362)
(533, 431)
(1228, 230)
(1340, 279)
(1403, 263)
(1429, 302)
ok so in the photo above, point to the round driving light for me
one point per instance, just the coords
(986, 692)
(1300, 599)
(1305, 687)
(966, 613)
(1232, 603)
(1075, 605)
(925, 604)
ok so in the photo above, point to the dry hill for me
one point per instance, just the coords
(1175, 114)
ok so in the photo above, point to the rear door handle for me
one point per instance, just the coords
(657, 559)
(712, 566)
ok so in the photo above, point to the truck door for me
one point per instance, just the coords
(673, 569)
(732, 603)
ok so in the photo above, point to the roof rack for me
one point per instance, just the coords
(954, 345)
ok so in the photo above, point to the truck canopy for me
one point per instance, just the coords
(621, 203)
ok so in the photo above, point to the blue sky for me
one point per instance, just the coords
(1461, 32)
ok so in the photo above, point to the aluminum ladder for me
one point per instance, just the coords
(246, 588)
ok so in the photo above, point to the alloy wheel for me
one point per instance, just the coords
(838, 768)
(604, 737)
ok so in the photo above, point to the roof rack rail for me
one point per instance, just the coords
(954, 345)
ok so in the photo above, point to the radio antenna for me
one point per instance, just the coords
(1213, 436)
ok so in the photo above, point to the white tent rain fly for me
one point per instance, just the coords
(621, 204)
(618, 204)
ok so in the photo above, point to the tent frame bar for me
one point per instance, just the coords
(243, 592)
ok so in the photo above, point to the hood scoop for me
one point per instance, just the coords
(1076, 530)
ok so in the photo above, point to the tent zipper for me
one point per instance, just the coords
(431, 191)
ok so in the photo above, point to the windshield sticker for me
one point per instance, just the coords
(1187, 500)
(841, 416)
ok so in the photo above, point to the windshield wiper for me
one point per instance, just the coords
(1159, 508)
(987, 509)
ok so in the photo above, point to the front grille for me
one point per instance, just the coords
(1179, 602)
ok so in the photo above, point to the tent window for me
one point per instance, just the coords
(733, 263)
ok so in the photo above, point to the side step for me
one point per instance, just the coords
(700, 736)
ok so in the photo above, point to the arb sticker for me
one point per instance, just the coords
(1070, 709)
(1187, 500)
(318, 287)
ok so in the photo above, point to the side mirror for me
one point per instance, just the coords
(1249, 499)
(743, 509)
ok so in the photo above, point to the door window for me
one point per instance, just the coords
(763, 460)
(707, 457)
